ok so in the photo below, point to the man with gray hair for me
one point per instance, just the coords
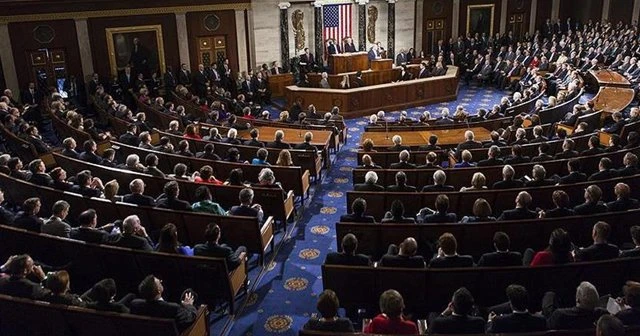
(133, 236)
(539, 173)
(493, 159)
(521, 211)
(137, 196)
(56, 224)
(397, 144)
(583, 316)
(277, 141)
(370, 183)
(439, 178)
(133, 163)
(469, 143)
(508, 181)
(404, 161)
(246, 207)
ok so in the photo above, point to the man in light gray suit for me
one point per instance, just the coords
(56, 225)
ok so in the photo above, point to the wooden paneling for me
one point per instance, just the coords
(543, 12)
(22, 40)
(436, 13)
(98, 38)
(620, 10)
(463, 13)
(518, 16)
(196, 28)
(591, 9)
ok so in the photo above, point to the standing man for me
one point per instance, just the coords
(200, 82)
(307, 61)
(349, 47)
(333, 48)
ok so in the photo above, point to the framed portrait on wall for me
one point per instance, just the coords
(140, 47)
(480, 19)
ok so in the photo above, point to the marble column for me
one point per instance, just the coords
(183, 39)
(605, 10)
(555, 9)
(86, 58)
(636, 11)
(284, 35)
(419, 24)
(317, 34)
(455, 21)
(8, 63)
(241, 40)
(503, 17)
(391, 29)
(532, 17)
(362, 24)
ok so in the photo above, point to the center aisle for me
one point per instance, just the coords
(286, 295)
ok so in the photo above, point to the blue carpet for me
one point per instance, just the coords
(285, 296)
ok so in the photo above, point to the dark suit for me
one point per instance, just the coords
(183, 315)
(368, 187)
(516, 323)
(437, 188)
(22, 287)
(635, 252)
(184, 77)
(542, 157)
(90, 157)
(566, 155)
(590, 208)
(129, 139)
(623, 204)
(559, 212)
(508, 184)
(597, 252)
(31, 223)
(401, 188)
(628, 171)
(41, 179)
(573, 177)
(490, 162)
(353, 218)
(173, 204)
(402, 165)
(89, 235)
(41, 146)
(209, 249)
(398, 148)
(200, 84)
(239, 210)
(338, 258)
(389, 260)
(466, 145)
(440, 217)
(603, 175)
(254, 143)
(455, 261)
(133, 242)
(500, 259)
(306, 146)
(278, 144)
(574, 318)
(630, 317)
(453, 324)
(517, 214)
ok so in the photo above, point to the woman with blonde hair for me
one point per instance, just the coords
(478, 182)
(284, 158)
(111, 191)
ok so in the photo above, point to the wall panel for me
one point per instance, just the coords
(196, 27)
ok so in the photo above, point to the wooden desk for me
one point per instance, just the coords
(446, 137)
(382, 64)
(609, 78)
(341, 63)
(612, 99)
(277, 83)
(292, 136)
(389, 97)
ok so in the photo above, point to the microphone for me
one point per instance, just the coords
(386, 128)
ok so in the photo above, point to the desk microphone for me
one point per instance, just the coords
(386, 128)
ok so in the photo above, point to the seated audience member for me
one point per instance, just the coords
(629, 314)
(69, 146)
(108, 158)
(370, 183)
(137, 194)
(205, 175)
(15, 166)
(152, 304)
(232, 137)
(431, 161)
(466, 160)
(516, 156)
(254, 134)
(539, 173)
(204, 202)
(441, 214)
(592, 203)
(404, 163)
(328, 305)
(214, 135)
(557, 253)
(59, 177)
(183, 149)
(439, 178)
(261, 157)
(502, 256)
(481, 212)
(605, 171)
(521, 211)
(357, 215)
(391, 320)
(618, 124)
(59, 285)
(87, 186)
(246, 207)
(284, 159)
(600, 249)
(520, 320)
(168, 241)
(56, 225)
(537, 135)
(102, 297)
(543, 153)
(478, 182)
(306, 145)
(567, 150)
(180, 172)
(22, 269)
(87, 230)
(236, 178)
(367, 163)
(574, 176)
(213, 248)
(609, 325)
(508, 181)
(208, 153)
(367, 146)
(397, 145)
(396, 214)
(348, 255)
(403, 256)
(267, 179)
(277, 142)
(623, 200)
(28, 219)
(169, 199)
(582, 316)
(145, 141)
(635, 237)
(132, 163)
(469, 143)
(615, 144)
(456, 319)
(521, 137)
(562, 203)
(492, 158)
(133, 236)
(495, 140)
(190, 132)
(448, 256)
(38, 174)
(401, 184)
(432, 145)
(594, 147)
(633, 140)
(630, 162)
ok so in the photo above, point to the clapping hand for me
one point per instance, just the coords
(188, 299)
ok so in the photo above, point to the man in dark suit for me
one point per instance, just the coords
(543, 153)
(520, 320)
(401, 184)
(396, 214)
(307, 61)
(493, 159)
(212, 248)
(358, 82)
(469, 143)
(246, 207)
(169, 198)
(306, 145)
(127, 80)
(87, 230)
(36, 140)
(592, 203)
(456, 319)
(424, 72)
(370, 183)
(567, 150)
(348, 255)
(539, 173)
(357, 215)
(582, 316)
(600, 249)
(516, 156)
(349, 46)
(397, 145)
(441, 215)
(502, 256)
(17, 284)
(134, 235)
(618, 124)
(508, 181)
(28, 219)
(184, 75)
(630, 162)
(30, 95)
(38, 174)
(56, 224)
(623, 200)
(89, 154)
(403, 256)
(439, 179)
(277, 141)
(333, 48)
(630, 315)
(448, 256)
(137, 194)
(605, 171)
(200, 82)
(521, 211)
(130, 138)
(403, 163)
(170, 81)
(152, 304)
(635, 236)
(574, 176)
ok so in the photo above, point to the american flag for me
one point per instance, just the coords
(337, 22)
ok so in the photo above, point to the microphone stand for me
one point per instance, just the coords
(386, 128)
